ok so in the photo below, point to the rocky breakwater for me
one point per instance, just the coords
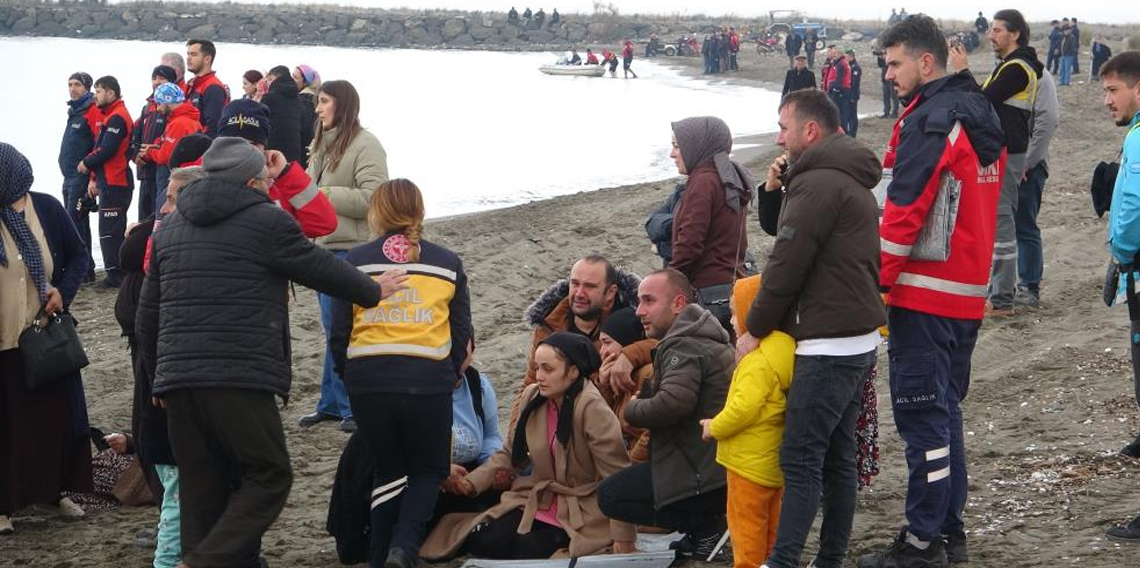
(328, 25)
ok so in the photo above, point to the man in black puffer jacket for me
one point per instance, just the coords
(287, 114)
(213, 318)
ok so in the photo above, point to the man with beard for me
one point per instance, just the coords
(205, 91)
(1012, 89)
(821, 287)
(580, 305)
(949, 135)
(1120, 78)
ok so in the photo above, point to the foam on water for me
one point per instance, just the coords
(475, 130)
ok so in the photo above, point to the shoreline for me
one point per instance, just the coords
(1050, 402)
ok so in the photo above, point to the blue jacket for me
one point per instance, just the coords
(474, 439)
(1124, 216)
(79, 136)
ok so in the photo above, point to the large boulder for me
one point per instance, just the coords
(464, 40)
(359, 25)
(187, 23)
(509, 33)
(24, 25)
(203, 31)
(454, 28)
(575, 32)
(482, 33)
(540, 36)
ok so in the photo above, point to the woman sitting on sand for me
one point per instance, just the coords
(571, 440)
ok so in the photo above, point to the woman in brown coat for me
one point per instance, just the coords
(568, 433)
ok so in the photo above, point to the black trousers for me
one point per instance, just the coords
(113, 205)
(74, 188)
(235, 472)
(148, 184)
(628, 496)
(410, 437)
(500, 539)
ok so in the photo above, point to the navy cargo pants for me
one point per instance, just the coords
(929, 377)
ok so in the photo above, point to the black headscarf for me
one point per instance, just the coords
(582, 354)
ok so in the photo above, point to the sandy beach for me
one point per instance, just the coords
(1050, 404)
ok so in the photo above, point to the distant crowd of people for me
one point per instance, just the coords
(537, 19)
(701, 398)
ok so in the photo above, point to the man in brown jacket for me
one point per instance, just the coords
(682, 487)
(580, 304)
(821, 286)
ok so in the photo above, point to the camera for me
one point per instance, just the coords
(87, 204)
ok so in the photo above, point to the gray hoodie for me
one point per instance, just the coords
(692, 369)
(1046, 117)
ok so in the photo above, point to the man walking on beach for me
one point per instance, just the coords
(1030, 254)
(112, 181)
(792, 45)
(218, 282)
(799, 77)
(821, 287)
(949, 137)
(1120, 79)
(1011, 89)
(890, 96)
(837, 83)
(205, 90)
(852, 126)
(83, 120)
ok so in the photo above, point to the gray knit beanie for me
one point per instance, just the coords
(233, 159)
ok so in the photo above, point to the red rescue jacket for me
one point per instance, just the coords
(183, 121)
(108, 161)
(295, 192)
(947, 129)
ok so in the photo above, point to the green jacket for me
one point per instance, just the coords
(692, 369)
(349, 187)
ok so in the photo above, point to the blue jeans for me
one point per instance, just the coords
(818, 457)
(1030, 255)
(334, 399)
(929, 378)
(1067, 69)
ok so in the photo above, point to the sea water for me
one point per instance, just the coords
(475, 130)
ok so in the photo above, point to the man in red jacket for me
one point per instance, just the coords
(182, 120)
(948, 141)
(205, 90)
(292, 188)
(111, 179)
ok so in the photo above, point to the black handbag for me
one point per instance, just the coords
(51, 351)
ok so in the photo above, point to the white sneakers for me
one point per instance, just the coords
(68, 509)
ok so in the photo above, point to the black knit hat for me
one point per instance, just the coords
(624, 327)
(245, 118)
(82, 78)
(166, 72)
(189, 150)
